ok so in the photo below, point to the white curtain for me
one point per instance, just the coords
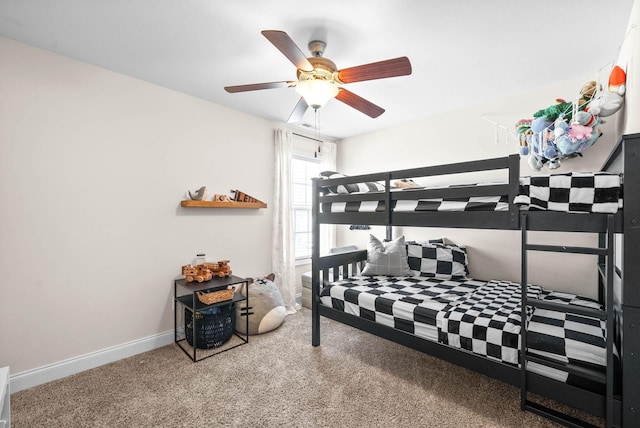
(327, 153)
(283, 258)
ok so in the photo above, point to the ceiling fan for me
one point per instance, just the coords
(319, 78)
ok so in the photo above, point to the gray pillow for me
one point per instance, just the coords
(389, 258)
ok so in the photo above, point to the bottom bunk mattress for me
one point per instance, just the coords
(408, 303)
(569, 339)
(482, 317)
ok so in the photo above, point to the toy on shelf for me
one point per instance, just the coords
(239, 196)
(205, 271)
(220, 269)
(197, 273)
(199, 195)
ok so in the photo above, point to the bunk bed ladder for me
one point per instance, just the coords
(604, 253)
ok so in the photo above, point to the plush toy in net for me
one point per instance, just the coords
(567, 128)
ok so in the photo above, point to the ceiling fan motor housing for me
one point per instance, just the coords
(317, 47)
(323, 68)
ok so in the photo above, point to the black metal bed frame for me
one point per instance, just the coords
(624, 407)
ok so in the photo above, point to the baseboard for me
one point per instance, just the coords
(59, 370)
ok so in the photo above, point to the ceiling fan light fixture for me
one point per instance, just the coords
(316, 92)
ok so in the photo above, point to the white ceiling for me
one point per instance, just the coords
(463, 52)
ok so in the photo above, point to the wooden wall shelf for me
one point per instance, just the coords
(214, 204)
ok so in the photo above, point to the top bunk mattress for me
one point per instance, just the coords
(578, 192)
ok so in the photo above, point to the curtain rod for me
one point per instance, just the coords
(310, 138)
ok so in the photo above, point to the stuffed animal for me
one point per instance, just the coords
(560, 127)
(566, 129)
(587, 93)
(405, 183)
(579, 132)
(523, 128)
(606, 104)
(266, 310)
(551, 113)
(617, 81)
(541, 124)
(585, 118)
(542, 149)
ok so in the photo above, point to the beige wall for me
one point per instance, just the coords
(93, 166)
(465, 135)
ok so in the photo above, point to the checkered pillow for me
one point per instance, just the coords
(437, 260)
(351, 187)
(389, 258)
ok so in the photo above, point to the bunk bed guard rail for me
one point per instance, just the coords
(386, 199)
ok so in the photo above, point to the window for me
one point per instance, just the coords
(302, 170)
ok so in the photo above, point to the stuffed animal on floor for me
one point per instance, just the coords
(266, 309)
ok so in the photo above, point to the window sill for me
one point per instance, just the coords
(301, 262)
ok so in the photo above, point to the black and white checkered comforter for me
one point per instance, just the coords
(471, 203)
(487, 321)
(481, 317)
(410, 304)
(576, 192)
(568, 338)
(474, 203)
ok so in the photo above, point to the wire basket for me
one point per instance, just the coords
(209, 298)
(213, 326)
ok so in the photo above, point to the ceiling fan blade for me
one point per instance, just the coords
(283, 42)
(376, 70)
(258, 86)
(359, 103)
(298, 112)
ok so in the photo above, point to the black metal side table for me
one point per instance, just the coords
(187, 303)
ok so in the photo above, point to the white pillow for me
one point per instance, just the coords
(389, 258)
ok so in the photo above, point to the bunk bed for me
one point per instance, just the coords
(339, 289)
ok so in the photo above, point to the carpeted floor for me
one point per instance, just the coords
(278, 379)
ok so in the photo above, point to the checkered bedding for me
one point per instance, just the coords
(577, 192)
(472, 203)
(567, 338)
(410, 304)
(487, 321)
(481, 317)
(597, 192)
